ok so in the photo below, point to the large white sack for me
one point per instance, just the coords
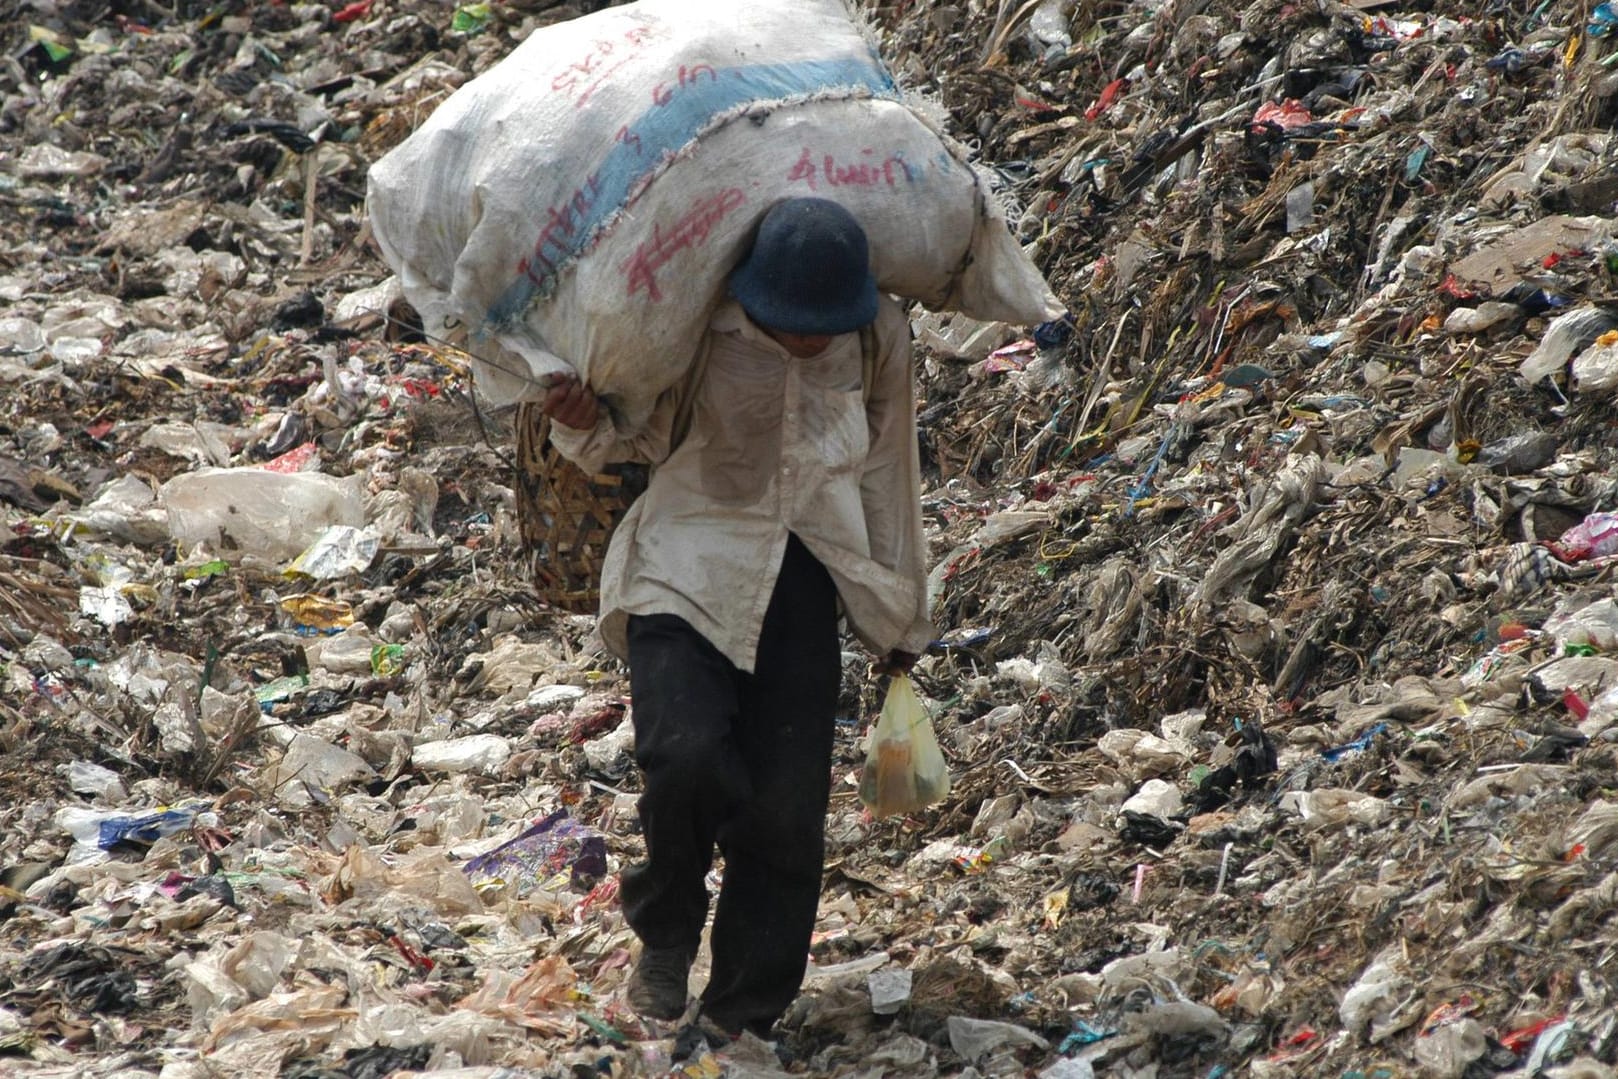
(582, 202)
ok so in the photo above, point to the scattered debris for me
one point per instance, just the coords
(1277, 681)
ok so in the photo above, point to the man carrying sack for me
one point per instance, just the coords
(785, 492)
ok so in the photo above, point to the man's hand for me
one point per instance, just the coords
(894, 663)
(570, 402)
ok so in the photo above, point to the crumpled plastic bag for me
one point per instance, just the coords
(360, 873)
(904, 768)
(1379, 999)
(1594, 537)
(539, 999)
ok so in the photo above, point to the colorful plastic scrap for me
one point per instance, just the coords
(558, 852)
(147, 828)
(1358, 745)
(1602, 21)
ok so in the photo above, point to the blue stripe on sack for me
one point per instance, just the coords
(692, 104)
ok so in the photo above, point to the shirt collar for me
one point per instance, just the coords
(730, 318)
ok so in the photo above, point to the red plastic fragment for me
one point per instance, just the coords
(357, 10)
(1108, 96)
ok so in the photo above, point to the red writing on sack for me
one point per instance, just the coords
(663, 92)
(585, 75)
(816, 169)
(690, 231)
(562, 223)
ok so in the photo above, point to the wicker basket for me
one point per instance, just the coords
(566, 515)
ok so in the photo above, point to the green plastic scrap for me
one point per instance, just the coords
(57, 47)
(207, 569)
(603, 1029)
(264, 51)
(387, 660)
(1418, 158)
(280, 689)
(470, 18)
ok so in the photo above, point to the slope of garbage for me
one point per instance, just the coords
(1276, 673)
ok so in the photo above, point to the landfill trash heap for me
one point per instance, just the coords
(1278, 669)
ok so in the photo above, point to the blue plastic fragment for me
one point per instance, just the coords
(1358, 745)
(1144, 487)
(964, 637)
(1054, 334)
(1511, 61)
(1083, 1034)
(1602, 21)
(148, 828)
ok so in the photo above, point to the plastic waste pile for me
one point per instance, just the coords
(1277, 680)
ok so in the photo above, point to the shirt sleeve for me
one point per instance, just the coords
(611, 440)
(890, 488)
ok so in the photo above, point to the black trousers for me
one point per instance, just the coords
(741, 761)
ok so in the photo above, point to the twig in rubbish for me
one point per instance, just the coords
(1103, 374)
(471, 396)
(1003, 27)
(1218, 343)
(483, 429)
(1059, 165)
(243, 724)
(310, 174)
(15, 730)
(1224, 866)
(1261, 85)
(1015, 767)
(1217, 521)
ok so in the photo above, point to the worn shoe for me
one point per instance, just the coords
(657, 987)
(762, 1029)
(699, 1036)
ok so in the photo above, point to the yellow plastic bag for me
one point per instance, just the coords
(904, 769)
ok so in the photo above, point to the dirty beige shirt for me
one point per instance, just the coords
(776, 445)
